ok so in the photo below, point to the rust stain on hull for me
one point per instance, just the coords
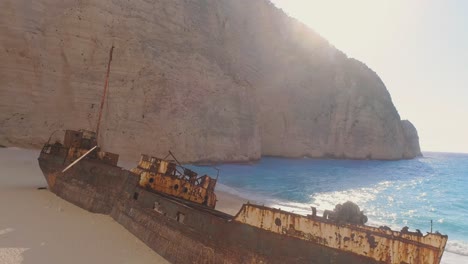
(383, 245)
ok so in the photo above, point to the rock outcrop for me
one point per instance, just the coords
(412, 140)
(212, 80)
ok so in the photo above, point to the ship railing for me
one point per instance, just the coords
(175, 169)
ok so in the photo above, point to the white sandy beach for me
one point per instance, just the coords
(38, 227)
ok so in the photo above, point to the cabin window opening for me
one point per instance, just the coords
(185, 190)
(135, 196)
(176, 187)
(151, 180)
(278, 221)
(180, 217)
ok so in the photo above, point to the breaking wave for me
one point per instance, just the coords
(457, 247)
(425, 193)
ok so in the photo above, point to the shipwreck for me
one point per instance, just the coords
(173, 210)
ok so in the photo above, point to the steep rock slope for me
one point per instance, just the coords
(218, 80)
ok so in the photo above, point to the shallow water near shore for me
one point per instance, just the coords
(393, 193)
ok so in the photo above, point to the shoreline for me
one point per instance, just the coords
(40, 227)
(229, 203)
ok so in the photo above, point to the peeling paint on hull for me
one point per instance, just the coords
(383, 245)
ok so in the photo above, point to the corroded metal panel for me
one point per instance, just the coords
(162, 167)
(77, 143)
(383, 245)
(177, 187)
(72, 138)
(172, 179)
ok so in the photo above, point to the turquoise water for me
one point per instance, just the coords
(393, 193)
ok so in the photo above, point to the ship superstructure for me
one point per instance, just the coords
(170, 177)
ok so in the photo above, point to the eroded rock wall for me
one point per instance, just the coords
(211, 80)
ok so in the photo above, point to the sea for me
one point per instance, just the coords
(425, 193)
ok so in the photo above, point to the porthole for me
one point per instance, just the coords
(278, 221)
(176, 187)
(151, 180)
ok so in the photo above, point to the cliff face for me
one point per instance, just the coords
(218, 80)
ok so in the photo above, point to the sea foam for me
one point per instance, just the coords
(427, 193)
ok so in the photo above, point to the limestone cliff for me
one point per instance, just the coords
(218, 80)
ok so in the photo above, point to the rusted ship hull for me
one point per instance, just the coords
(205, 236)
(184, 232)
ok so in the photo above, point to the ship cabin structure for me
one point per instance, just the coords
(171, 178)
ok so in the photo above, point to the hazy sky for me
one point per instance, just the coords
(418, 47)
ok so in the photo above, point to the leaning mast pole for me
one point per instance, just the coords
(106, 84)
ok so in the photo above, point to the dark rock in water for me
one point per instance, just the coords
(385, 228)
(348, 212)
(405, 230)
(212, 80)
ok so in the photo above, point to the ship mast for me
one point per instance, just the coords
(106, 84)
